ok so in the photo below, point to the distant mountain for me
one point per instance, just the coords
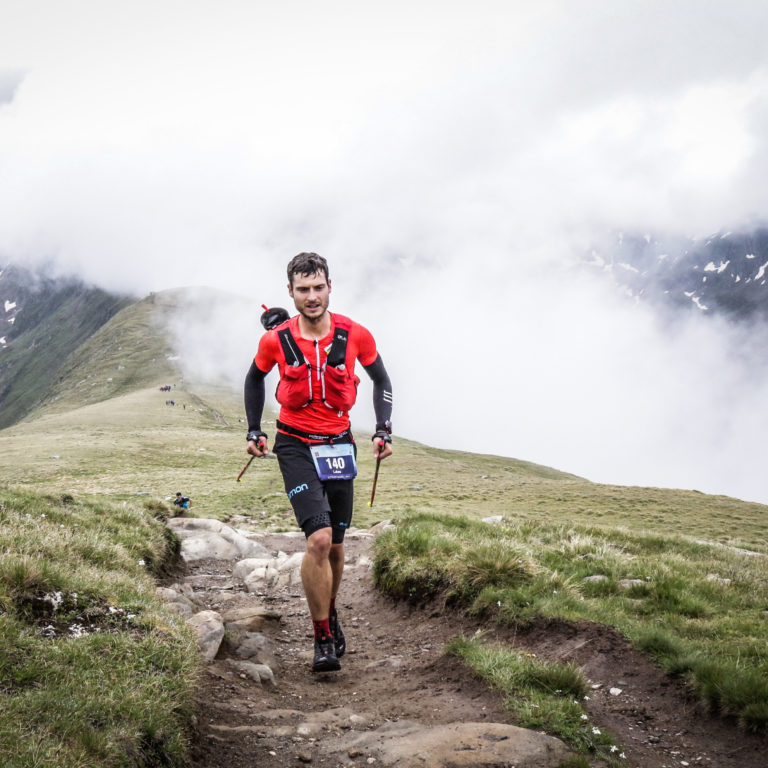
(42, 321)
(724, 274)
(64, 343)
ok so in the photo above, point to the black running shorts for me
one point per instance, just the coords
(316, 504)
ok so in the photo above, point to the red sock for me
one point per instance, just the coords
(322, 629)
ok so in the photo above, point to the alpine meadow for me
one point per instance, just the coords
(95, 670)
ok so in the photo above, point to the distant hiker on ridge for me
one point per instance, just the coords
(315, 353)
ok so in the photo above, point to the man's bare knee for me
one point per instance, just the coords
(319, 544)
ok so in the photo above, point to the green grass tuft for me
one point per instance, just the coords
(541, 695)
(93, 670)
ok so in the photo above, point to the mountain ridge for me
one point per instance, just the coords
(724, 274)
(43, 321)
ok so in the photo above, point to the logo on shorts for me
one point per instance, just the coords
(298, 489)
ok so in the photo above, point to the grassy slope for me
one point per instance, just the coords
(107, 423)
(93, 670)
(125, 354)
(135, 444)
(34, 360)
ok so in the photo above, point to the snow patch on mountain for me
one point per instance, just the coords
(696, 300)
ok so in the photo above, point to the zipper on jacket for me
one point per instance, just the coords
(320, 371)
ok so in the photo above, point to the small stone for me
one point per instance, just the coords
(615, 691)
(358, 720)
(354, 752)
(304, 757)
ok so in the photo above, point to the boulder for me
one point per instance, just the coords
(254, 647)
(629, 583)
(243, 568)
(204, 538)
(179, 599)
(384, 525)
(407, 744)
(259, 673)
(210, 632)
(257, 579)
(182, 608)
(251, 618)
(289, 562)
(207, 546)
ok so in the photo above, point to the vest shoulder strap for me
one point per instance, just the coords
(291, 350)
(337, 354)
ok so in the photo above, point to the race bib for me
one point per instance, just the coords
(334, 462)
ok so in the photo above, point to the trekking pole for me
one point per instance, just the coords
(242, 471)
(375, 478)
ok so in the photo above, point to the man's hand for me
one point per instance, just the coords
(258, 447)
(381, 448)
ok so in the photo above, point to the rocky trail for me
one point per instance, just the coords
(398, 700)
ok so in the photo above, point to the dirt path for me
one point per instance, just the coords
(394, 670)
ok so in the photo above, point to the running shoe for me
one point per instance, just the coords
(326, 659)
(338, 636)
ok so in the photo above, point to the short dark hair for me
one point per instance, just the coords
(306, 264)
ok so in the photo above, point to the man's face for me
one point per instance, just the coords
(310, 295)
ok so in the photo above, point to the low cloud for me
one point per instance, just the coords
(10, 79)
(453, 164)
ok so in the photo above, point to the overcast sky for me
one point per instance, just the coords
(451, 160)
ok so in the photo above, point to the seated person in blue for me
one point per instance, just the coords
(182, 501)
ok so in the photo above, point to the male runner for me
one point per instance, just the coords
(315, 352)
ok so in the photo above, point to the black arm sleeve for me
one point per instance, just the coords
(382, 392)
(254, 395)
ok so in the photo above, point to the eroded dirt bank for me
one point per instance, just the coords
(395, 671)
